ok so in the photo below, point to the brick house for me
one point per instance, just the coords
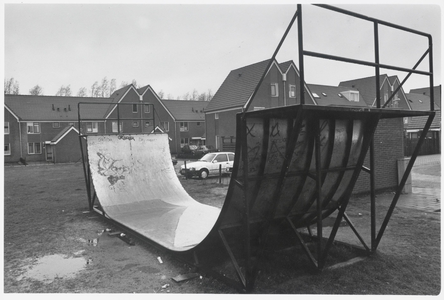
(366, 87)
(45, 128)
(280, 87)
(277, 90)
(184, 121)
(413, 125)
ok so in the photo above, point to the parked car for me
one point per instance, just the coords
(209, 165)
(201, 150)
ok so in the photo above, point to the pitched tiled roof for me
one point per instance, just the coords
(330, 95)
(183, 110)
(426, 91)
(419, 122)
(237, 87)
(418, 101)
(62, 134)
(117, 96)
(54, 108)
(240, 84)
(366, 87)
(285, 65)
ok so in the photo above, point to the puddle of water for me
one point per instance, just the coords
(54, 266)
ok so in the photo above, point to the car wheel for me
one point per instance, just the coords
(203, 174)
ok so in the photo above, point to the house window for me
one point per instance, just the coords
(406, 120)
(292, 91)
(7, 149)
(55, 124)
(114, 126)
(354, 96)
(147, 124)
(34, 148)
(165, 126)
(92, 127)
(146, 108)
(183, 126)
(184, 141)
(135, 124)
(33, 127)
(274, 90)
(6, 127)
(134, 108)
(216, 116)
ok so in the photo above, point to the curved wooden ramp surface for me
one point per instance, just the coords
(137, 186)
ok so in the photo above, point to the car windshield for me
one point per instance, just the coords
(208, 157)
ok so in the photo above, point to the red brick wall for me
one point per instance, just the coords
(389, 147)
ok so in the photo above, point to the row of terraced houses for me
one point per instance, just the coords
(46, 128)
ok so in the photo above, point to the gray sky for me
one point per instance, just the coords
(177, 48)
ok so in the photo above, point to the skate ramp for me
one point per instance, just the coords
(137, 186)
(276, 174)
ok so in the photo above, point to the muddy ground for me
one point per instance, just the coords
(53, 244)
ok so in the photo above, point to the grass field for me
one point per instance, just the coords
(45, 209)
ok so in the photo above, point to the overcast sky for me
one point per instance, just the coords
(178, 48)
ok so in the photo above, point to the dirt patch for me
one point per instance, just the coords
(46, 216)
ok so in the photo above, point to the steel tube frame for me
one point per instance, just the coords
(377, 65)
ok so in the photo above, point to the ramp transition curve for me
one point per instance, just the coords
(296, 164)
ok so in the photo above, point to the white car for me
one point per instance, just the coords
(209, 165)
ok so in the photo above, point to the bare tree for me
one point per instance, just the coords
(104, 87)
(11, 86)
(112, 86)
(134, 82)
(161, 94)
(123, 84)
(82, 92)
(209, 95)
(194, 95)
(202, 97)
(64, 91)
(185, 96)
(68, 91)
(36, 90)
(94, 89)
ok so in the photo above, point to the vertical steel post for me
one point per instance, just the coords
(432, 92)
(372, 196)
(301, 55)
(249, 281)
(318, 190)
(84, 160)
(377, 68)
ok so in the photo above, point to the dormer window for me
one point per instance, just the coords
(352, 96)
(274, 90)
